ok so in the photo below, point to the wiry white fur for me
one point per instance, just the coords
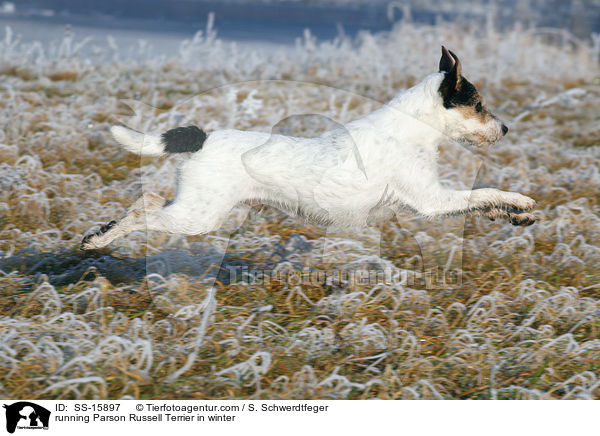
(365, 172)
(139, 143)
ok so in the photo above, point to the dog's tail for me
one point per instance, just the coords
(180, 140)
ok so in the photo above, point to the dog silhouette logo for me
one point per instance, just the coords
(26, 415)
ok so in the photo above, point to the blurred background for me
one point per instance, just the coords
(283, 21)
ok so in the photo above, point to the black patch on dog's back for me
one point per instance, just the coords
(465, 95)
(183, 139)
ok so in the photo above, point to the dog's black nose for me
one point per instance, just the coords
(504, 129)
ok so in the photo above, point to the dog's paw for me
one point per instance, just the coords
(90, 242)
(521, 219)
(520, 202)
(106, 227)
(515, 216)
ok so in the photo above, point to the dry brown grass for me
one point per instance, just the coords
(524, 322)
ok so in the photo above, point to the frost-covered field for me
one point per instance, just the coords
(154, 319)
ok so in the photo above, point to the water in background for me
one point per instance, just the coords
(281, 22)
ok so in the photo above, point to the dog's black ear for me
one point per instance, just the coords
(452, 78)
(456, 70)
(451, 85)
(446, 61)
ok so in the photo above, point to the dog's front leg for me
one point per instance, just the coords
(513, 206)
(491, 198)
(489, 202)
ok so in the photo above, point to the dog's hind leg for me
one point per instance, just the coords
(148, 201)
(206, 193)
(136, 219)
(179, 217)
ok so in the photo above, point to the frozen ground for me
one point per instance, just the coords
(187, 317)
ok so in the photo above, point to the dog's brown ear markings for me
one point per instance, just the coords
(446, 61)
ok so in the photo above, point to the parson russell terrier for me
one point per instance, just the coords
(362, 173)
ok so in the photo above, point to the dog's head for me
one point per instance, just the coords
(465, 116)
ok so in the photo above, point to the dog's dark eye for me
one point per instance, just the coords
(478, 107)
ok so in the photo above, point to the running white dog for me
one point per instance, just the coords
(360, 174)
